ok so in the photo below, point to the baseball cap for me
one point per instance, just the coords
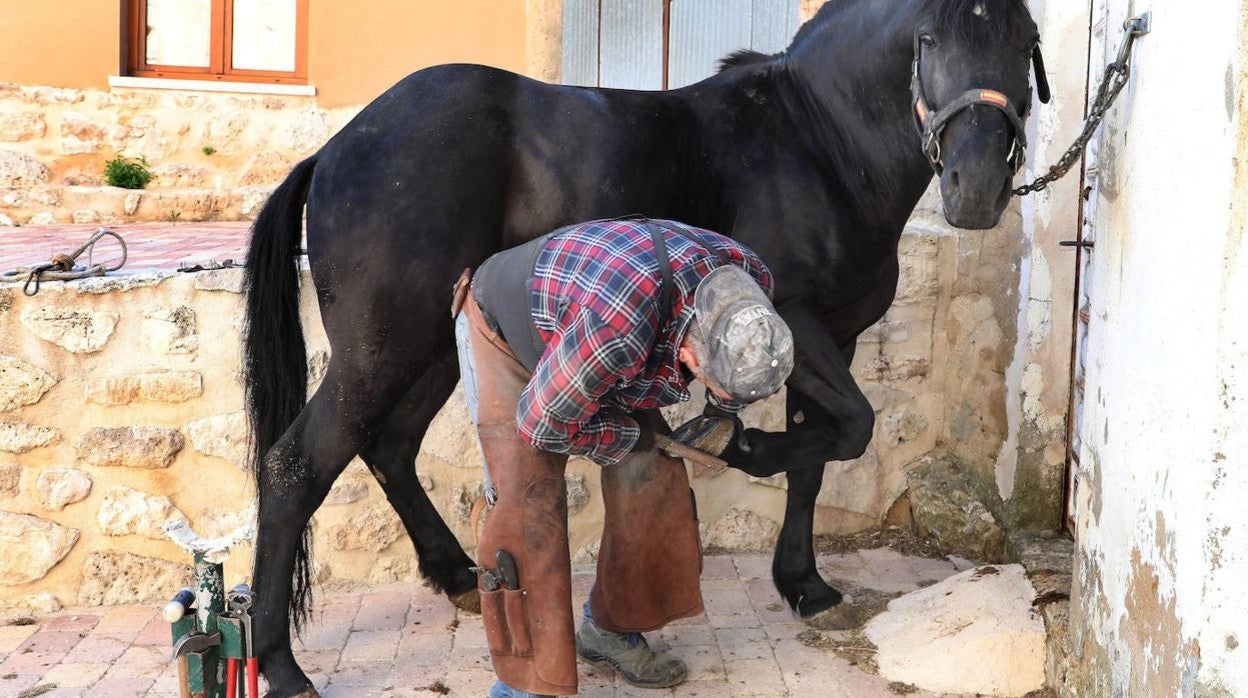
(749, 347)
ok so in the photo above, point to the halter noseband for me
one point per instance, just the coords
(931, 124)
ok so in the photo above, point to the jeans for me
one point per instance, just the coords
(468, 374)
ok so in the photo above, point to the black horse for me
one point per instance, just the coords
(810, 156)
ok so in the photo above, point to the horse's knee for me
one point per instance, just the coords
(859, 426)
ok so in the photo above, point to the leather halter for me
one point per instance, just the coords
(931, 124)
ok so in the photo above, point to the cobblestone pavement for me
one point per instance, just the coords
(150, 245)
(404, 640)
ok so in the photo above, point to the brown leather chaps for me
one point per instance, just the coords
(650, 555)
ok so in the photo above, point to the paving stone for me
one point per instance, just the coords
(704, 661)
(753, 566)
(97, 648)
(123, 687)
(371, 645)
(140, 662)
(30, 662)
(76, 674)
(124, 620)
(382, 612)
(755, 677)
(51, 641)
(13, 636)
(718, 568)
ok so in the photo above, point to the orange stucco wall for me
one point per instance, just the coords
(358, 49)
(355, 49)
(63, 44)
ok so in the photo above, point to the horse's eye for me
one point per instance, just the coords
(927, 40)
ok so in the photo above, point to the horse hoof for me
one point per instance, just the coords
(307, 692)
(469, 601)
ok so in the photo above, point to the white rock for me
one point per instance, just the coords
(85, 215)
(451, 437)
(42, 603)
(147, 386)
(112, 578)
(230, 280)
(21, 383)
(974, 632)
(131, 203)
(171, 330)
(6, 221)
(219, 523)
(31, 546)
(20, 170)
(373, 529)
(60, 487)
(131, 447)
(578, 494)
(42, 218)
(222, 435)
(742, 530)
(346, 491)
(309, 130)
(10, 477)
(79, 331)
(127, 511)
(19, 437)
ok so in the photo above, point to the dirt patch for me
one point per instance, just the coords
(852, 646)
(900, 539)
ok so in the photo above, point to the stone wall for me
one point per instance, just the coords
(215, 156)
(120, 411)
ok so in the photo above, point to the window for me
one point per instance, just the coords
(234, 40)
(662, 44)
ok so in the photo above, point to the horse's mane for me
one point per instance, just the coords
(956, 18)
(743, 56)
(959, 19)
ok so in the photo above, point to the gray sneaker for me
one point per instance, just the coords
(631, 656)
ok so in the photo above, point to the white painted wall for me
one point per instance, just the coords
(1163, 526)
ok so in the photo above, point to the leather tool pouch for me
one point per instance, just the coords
(506, 620)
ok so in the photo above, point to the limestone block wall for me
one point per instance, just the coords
(120, 410)
(214, 156)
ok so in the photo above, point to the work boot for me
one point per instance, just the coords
(629, 654)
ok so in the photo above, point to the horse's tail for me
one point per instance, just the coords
(274, 358)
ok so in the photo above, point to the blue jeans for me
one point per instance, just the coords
(468, 374)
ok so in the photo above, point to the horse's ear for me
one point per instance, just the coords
(1042, 80)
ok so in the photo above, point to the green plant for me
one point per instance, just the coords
(208, 150)
(127, 173)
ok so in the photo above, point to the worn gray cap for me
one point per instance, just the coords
(749, 347)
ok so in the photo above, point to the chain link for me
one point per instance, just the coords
(1117, 75)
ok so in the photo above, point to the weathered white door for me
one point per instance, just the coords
(660, 44)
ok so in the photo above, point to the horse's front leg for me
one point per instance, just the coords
(828, 419)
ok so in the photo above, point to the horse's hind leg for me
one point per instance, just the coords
(392, 458)
(343, 416)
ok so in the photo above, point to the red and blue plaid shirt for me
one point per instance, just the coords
(593, 297)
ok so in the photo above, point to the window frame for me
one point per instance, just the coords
(221, 51)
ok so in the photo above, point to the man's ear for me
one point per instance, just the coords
(687, 356)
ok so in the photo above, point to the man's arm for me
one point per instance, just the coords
(560, 409)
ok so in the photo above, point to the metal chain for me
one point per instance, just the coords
(1117, 75)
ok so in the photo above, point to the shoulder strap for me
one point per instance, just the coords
(665, 270)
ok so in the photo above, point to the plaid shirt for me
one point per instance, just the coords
(593, 297)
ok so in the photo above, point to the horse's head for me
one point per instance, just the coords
(971, 92)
